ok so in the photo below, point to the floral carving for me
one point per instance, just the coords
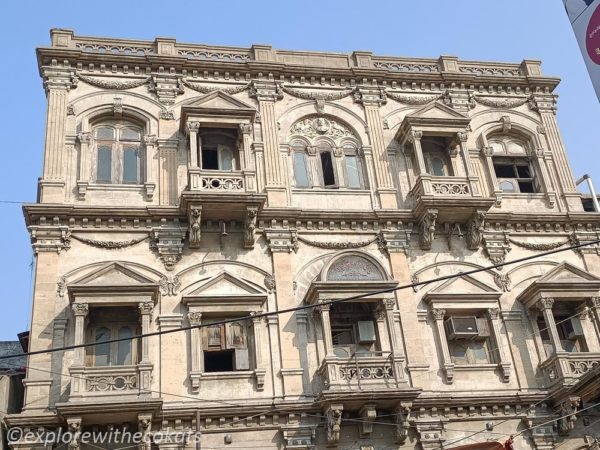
(406, 67)
(503, 281)
(320, 126)
(311, 95)
(336, 245)
(199, 87)
(270, 283)
(61, 286)
(412, 99)
(109, 244)
(539, 246)
(500, 102)
(113, 84)
(169, 286)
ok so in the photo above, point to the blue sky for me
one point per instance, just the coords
(506, 30)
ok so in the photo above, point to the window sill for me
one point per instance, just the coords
(114, 187)
(475, 367)
(522, 195)
(236, 374)
(339, 191)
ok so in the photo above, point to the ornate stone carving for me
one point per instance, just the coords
(474, 235)
(118, 106)
(333, 416)
(50, 238)
(84, 137)
(146, 307)
(487, 152)
(427, 229)
(74, 426)
(541, 246)
(336, 245)
(503, 281)
(402, 422)
(250, 226)
(265, 91)
(80, 309)
(370, 96)
(61, 286)
(545, 303)
(506, 124)
(270, 283)
(395, 241)
(199, 87)
(412, 99)
(168, 243)
(195, 318)
(194, 218)
(314, 126)
(493, 313)
(59, 78)
(245, 128)
(438, 313)
(166, 87)
(501, 102)
(166, 115)
(282, 240)
(110, 245)
(496, 245)
(113, 83)
(169, 285)
(567, 410)
(588, 236)
(368, 414)
(315, 95)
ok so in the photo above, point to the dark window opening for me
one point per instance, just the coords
(210, 159)
(327, 166)
(515, 175)
(504, 170)
(219, 361)
(353, 329)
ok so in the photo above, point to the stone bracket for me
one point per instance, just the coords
(166, 87)
(475, 225)
(333, 416)
(395, 241)
(250, 226)
(282, 240)
(167, 241)
(427, 229)
(50, 238)
(497, 245)
(368, 414)
(581, 237)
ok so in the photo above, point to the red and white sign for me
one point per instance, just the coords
(585, 19)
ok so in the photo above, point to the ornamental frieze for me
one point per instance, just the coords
(113, 84)
(203, 89)
(412, 99)
(315, 126)
(312, 95)
(111, 245)
(500, 102)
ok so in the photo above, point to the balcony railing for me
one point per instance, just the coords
(221, 181)
(360, 371)
(565, 368)
(109, 380)
(428, 185)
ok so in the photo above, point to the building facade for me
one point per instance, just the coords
(192, 185)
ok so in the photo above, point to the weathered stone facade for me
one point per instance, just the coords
(187, 184)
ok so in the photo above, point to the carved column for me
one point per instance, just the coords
(414, 138)
(195, 221)
(372, 99)
(326, 329)
(545, 306)
(145, 309)
(466, 157)
(487, 153)
(149, 182)
(246, 161)
(193, 128)
(595, 312)
(543, 178)
(259, 344)
(267, 93)
(396, 346)
(494, 317)
(80, 311)
(57, 81)
(167, 170)
(83, 181)
(197, 352)
(447, 364)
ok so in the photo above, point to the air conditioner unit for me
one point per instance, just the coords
(461, 327)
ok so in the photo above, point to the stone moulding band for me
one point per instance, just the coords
(538, 246)
(113, 84)
(198, 87)
(311, 95)
(336, 245)
(109, 244)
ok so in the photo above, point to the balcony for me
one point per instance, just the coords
(110, 381)
(227, 194)
(564, 369)
(455, 198)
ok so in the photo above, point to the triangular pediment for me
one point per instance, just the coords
(463, 285)
(436, 110)
(567, 273)
(218, 100)
(225, 284)
(113, 274)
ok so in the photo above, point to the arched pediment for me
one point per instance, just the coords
(353, 267)
(318, 127)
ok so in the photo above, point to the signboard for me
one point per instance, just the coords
(584, 16)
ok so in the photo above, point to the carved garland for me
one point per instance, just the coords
(501, 102)
(538, 246)
(412, 99)
(109, 244)
(208, 89)
(113, 84)
(316, 95)
(337, 245)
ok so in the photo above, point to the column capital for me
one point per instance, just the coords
(282, 240)
(59, 78)
(370, 96)
(168, 243)
(438, 313)
(323, 307)
(487, 151)
(80, 309)
(84, 137)
(595, 302)
(49, 237)
(192, 127)
(145, 308)
(265, 91)
(195, 318)
(394, 241)
(545, 303)
(389, 303)
(493, 313)
(150, 140)
(245, 128)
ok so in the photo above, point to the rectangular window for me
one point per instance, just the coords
(225, 347)
(353, 329)
(328, 171)
(104, 172)
(468, 340)
(514, 175)
(352, 171)
(130, 165)
(210, 159)
(300, 170)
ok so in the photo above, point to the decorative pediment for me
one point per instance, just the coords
(463, 290)
(225, 284)
(112, 274)
(218, 100)
(437, 110)
(434, 117)
(563, 282)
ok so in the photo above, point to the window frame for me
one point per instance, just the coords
(300, 148)
(322, 148)
(226, 345)
(350, 149)
(114, 329)
(487, 340)
(118, 146)
(515, 162)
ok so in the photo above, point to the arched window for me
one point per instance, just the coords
(328, 176)
(118, 153)
(512, 165)
(300, 161)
